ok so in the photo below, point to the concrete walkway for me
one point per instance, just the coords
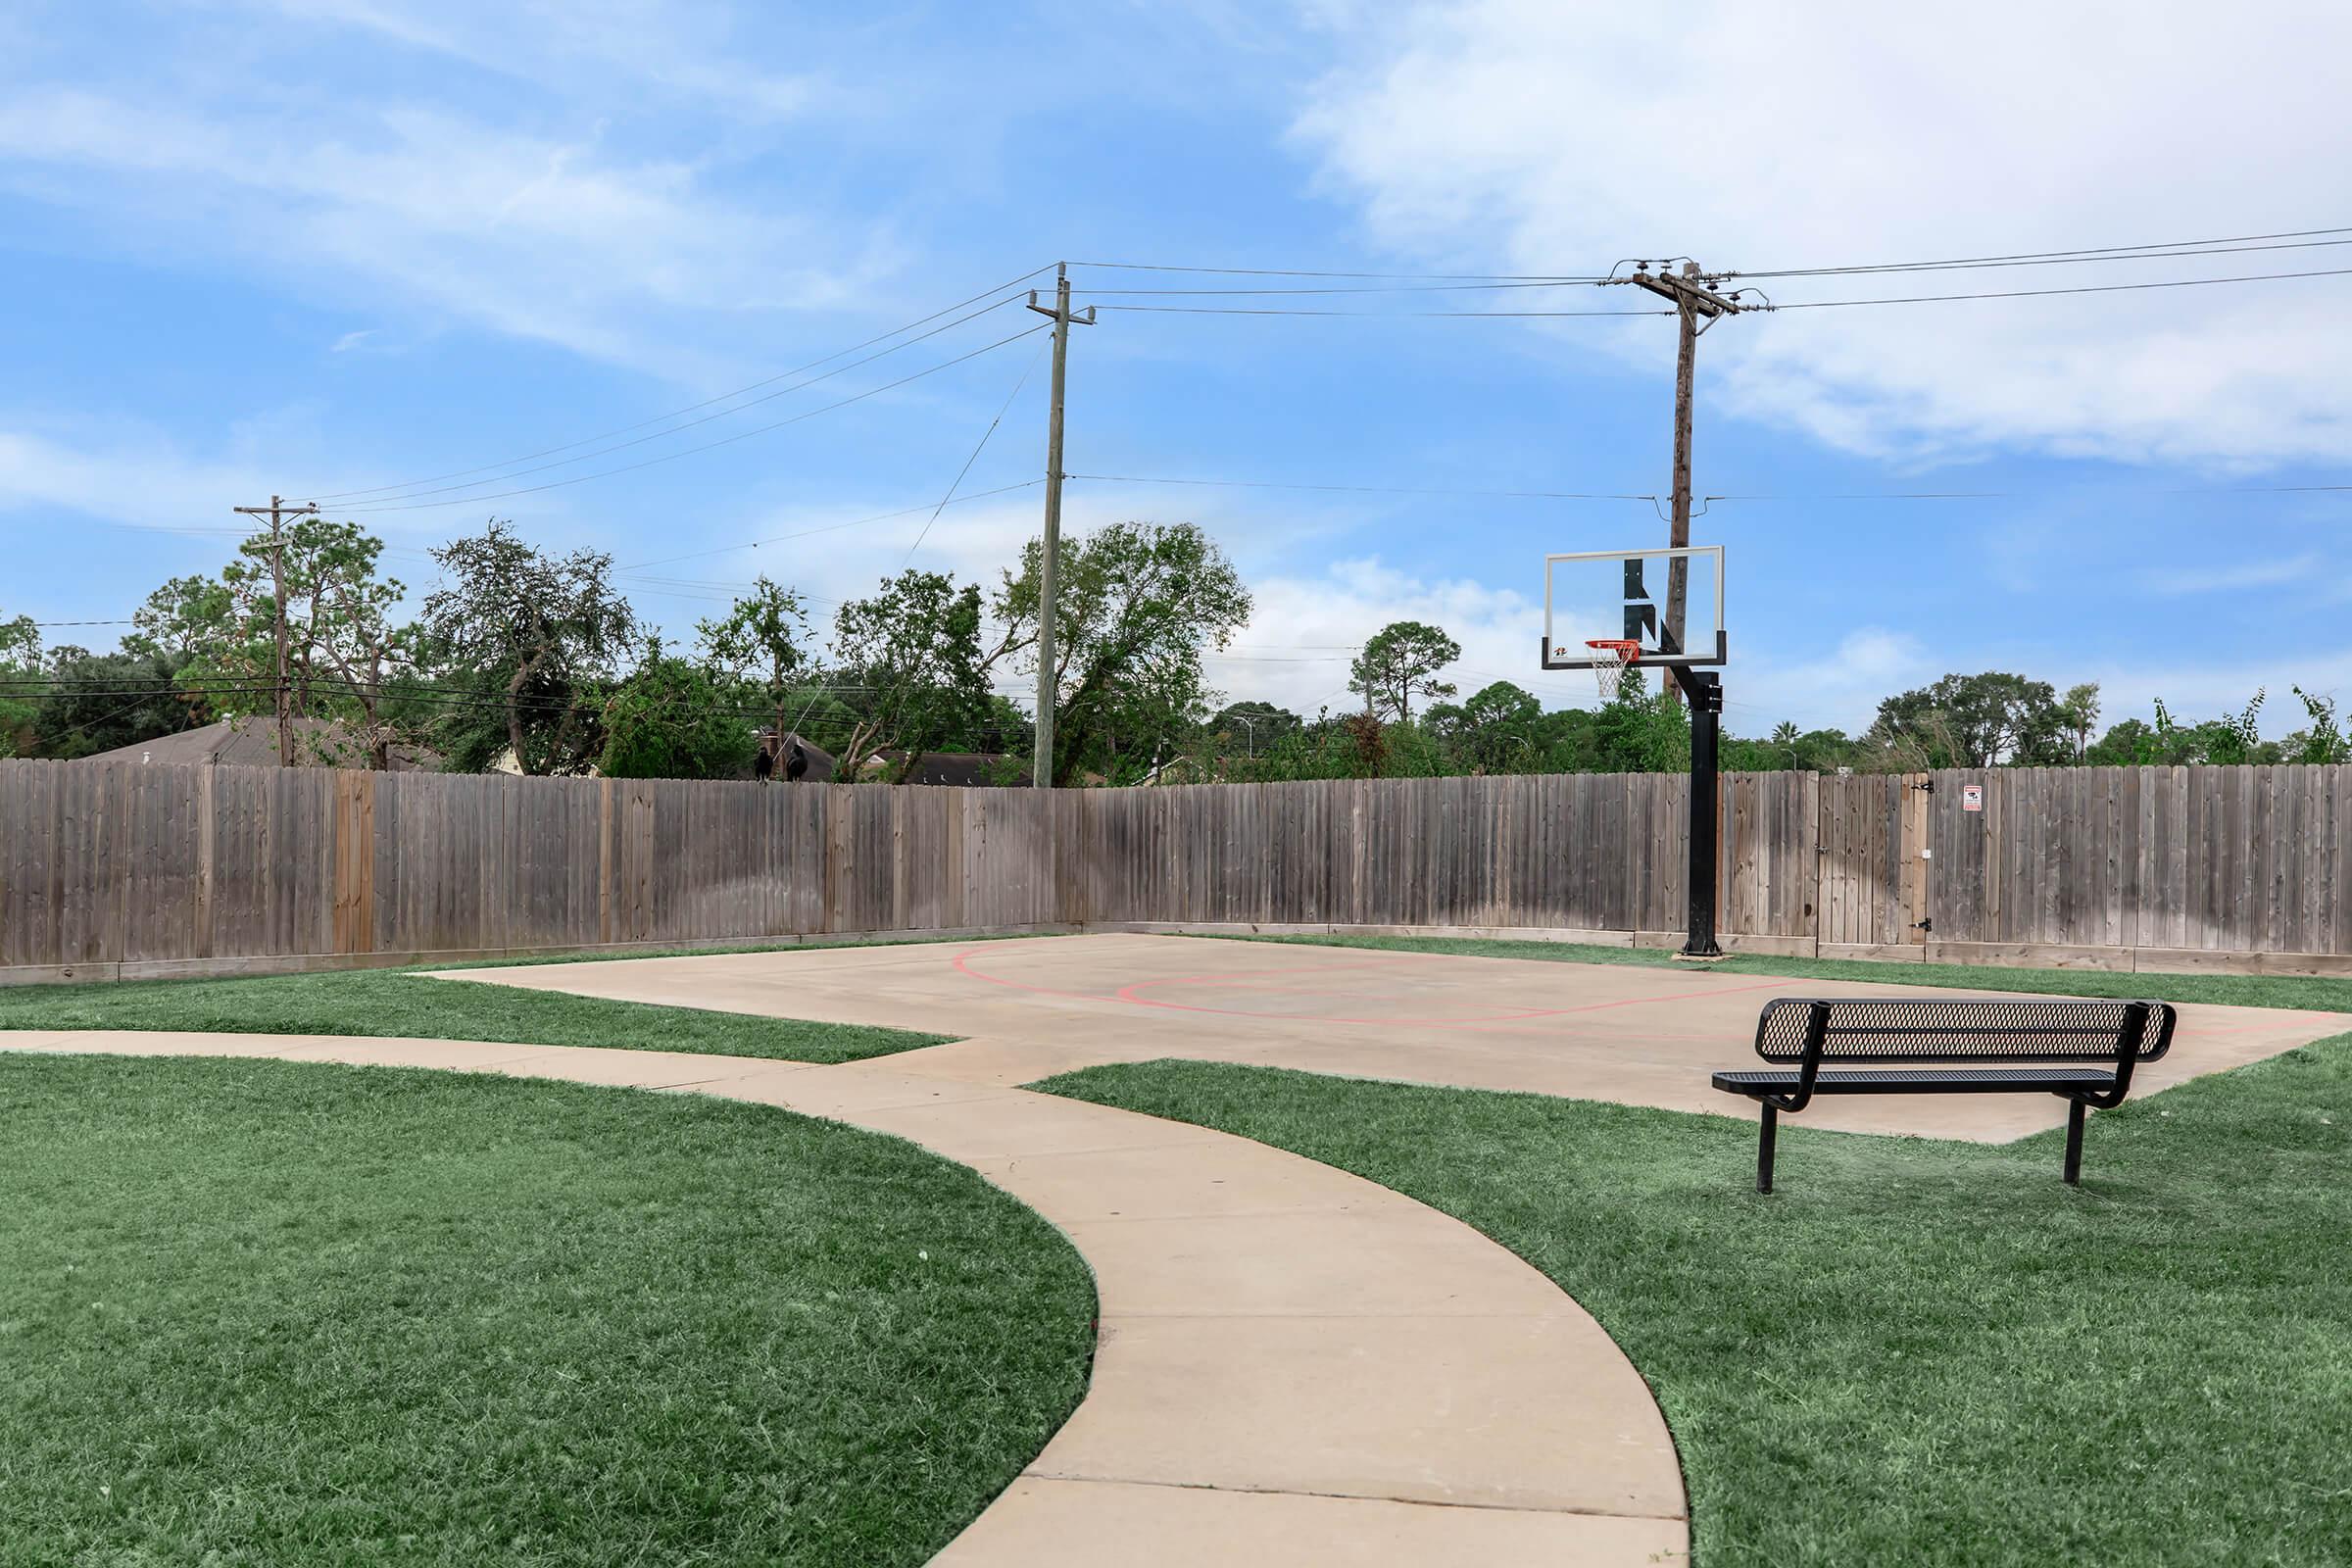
(1295, 1366)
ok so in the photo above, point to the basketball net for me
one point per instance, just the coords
(1610, 658)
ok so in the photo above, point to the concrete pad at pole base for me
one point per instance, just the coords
(1631, 1034)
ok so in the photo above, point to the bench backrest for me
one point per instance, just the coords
(1962, 1029)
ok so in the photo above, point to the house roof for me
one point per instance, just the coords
(821, 764)
(253, 743)
(967, 769)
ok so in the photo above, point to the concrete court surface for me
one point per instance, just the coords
(1027, 1007)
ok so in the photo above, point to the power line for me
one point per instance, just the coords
(656, 435)
(978, 447)
(1365, 315)
(1291, 272)
(2083, 288)
(1367, 288)
(708, 446)
(2056, 492)
(2096, 253)
(692, 408)
(831, 527)
(1367, 489)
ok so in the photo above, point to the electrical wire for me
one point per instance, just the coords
(1365, 315)
(619, 446)
(1365, 489)
(2302, 238)
(978, 447)
(1367, 288)
(2083, 288)
(830, 527)
(1291, 272)
(708, 446)
(692, 408)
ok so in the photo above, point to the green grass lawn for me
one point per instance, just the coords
(1918, 1351)
(260, 1313)
(403, 1003)
(2231, 990)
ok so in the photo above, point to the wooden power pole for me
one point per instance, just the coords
(1048, 687)
(1695, 299)
(276, 512)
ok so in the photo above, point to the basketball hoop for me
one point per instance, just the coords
(1610, 658)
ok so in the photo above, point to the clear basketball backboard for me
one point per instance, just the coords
(1630, 595)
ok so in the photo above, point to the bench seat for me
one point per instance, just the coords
(2082, 1051)
(1922, 1081)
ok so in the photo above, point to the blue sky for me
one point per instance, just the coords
(319, 246)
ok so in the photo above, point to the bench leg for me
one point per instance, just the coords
(2074, 1143)
(1766, 1133)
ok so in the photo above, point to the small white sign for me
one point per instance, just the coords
(1971, 797)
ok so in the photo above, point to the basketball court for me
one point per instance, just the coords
(1024, 1008)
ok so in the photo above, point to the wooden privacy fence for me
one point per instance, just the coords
(125, 869)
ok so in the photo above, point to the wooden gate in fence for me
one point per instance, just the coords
(1837, 859)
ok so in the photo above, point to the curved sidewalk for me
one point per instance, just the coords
(1294, 1365)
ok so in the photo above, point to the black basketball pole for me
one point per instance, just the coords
(1702, 691)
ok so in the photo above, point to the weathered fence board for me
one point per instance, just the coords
(123, 864)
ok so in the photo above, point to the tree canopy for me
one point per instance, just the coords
(540, 634)
(1400, 663)
(1138, 607)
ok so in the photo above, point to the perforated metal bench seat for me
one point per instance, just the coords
(1918, 1081)
(2082, 1051)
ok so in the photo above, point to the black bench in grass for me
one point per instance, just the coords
(2083, 1051)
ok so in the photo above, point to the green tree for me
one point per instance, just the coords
(1401, 663)
(2081, 706)
(351, 638)
(1495, 730)
(187, 620)
(669, 721)
(1977, 722)
(760, 640)
(21, 684)
(100, 701)
(2323, 741)
(1249, 728)
(1138, 607)
(909, 672)
(535, 639)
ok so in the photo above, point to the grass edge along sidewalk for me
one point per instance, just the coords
(2317, 993)
(1922, 1351)
(269, 1311)
(403, 1004)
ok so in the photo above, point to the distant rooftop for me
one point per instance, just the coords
(253, 743)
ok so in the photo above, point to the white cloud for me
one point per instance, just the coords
(564, 241)
(1543, 137)
(1301, 638)
(2201, 690)
(688, 52)
(2175, 581)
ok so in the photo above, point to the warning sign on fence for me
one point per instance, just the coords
(1971, 797)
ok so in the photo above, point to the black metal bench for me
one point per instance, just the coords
(2083, 1051)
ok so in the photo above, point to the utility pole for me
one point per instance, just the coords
(1048, 687)
(276, 512)
(1698, 303)
(1695, 299)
